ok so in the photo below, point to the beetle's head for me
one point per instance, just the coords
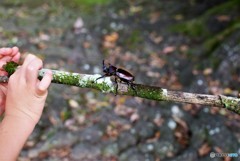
(105, 68)
(112, 69)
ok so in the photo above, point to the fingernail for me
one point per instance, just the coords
(49, 73)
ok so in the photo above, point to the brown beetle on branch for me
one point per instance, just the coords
(121, 74)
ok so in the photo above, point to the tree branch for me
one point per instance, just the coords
(106, 85)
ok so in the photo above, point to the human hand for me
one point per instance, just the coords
(6, 55)
(26, 95)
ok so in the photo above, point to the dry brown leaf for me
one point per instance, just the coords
(134, 117)
(218, 149)
(60, 152)
(181, 132)
(42, 45)
(214, 110)
(108, 45)
(227, 91)
(192, 108)
(53, 120)
(207, 71)
(214, 87)
(135, 9)
(116, 127)
(184, 48)
(153, 74)
(86, 44)
(78, 24)
(154, 17)
(204, 150)
(187, 107)
(195, 72)
(155, 138)
(156, 61)
(123, 110)
(176, 86)
(158, 120)
(73, 103)
(223, 18)
(43, 36)
(227, 159)
(178, 17)
(111, 131)
(110, 40)
(113, 37)
(81, 119)
(155, 37)
(169, 49)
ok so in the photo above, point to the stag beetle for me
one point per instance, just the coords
(119, 73)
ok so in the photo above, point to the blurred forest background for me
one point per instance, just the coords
(190, 45)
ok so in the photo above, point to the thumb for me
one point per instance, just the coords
(44, 83)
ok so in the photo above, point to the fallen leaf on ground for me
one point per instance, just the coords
(223, 18)
(181, 132)
(73, 103)
(169, 49)
(113, 37)
(154, 17)
(207, 71)
(204, 150)
(134, 117)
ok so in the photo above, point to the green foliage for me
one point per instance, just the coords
(223, 8)
(201, 27)
(231, 104)
(134, 39)
(85, 6)
(211, 43)
(82, 5)
(65, 114)
(194, 28)
(91, 2)
(28, 3)
(10, 67)
(197, 26)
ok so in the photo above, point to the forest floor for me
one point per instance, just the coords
(142, 37)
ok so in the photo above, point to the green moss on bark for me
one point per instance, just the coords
(10, 67)
(231, 104)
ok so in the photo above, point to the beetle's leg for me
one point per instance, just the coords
(103, 76)
(116, 86)
(132, 86)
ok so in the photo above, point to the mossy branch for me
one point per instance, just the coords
(106, 85)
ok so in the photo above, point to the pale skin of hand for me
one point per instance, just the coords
(6, 55)
(25, 99)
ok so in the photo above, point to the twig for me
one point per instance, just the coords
(106, 85)
(3, 79)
